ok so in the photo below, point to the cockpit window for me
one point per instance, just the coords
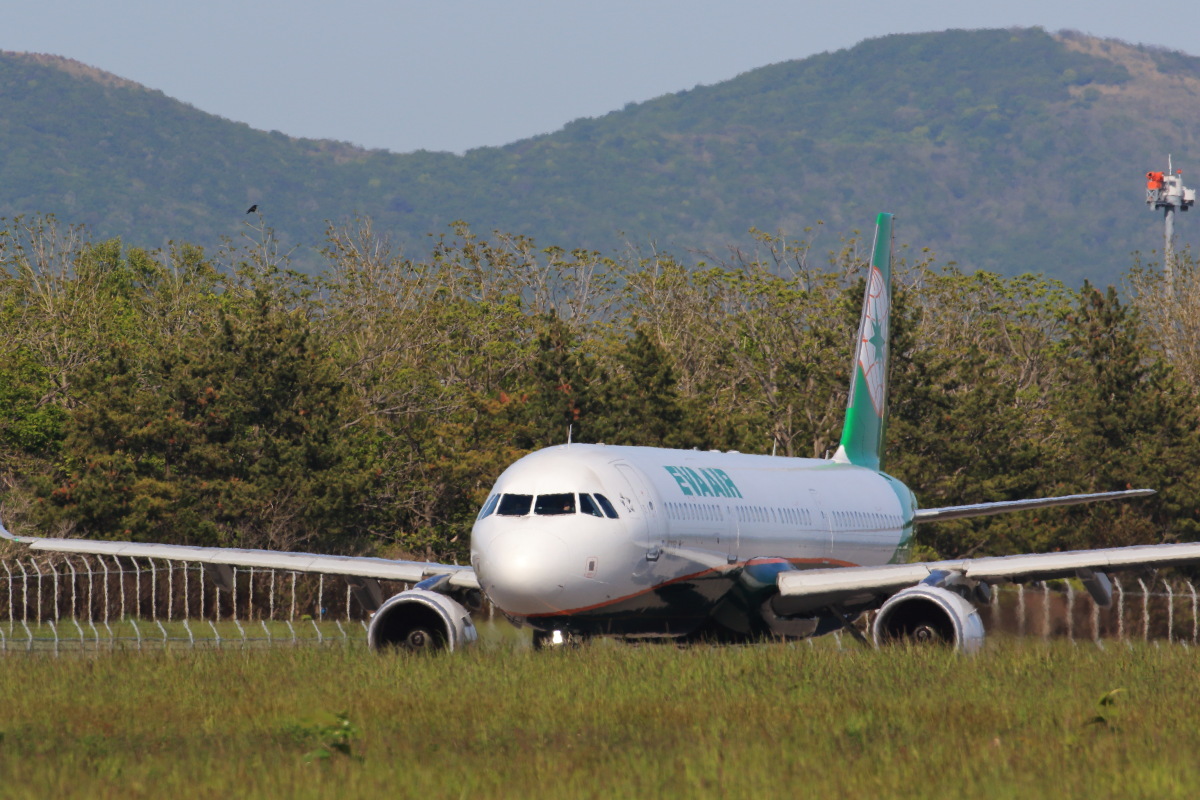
(514, 505)
(548, 505)
(609, 511)
(551, 504)
(588, 506)
(489, 506)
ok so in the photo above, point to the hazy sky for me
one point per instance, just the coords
(457, 74)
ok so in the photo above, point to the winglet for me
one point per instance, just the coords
(4, 534)
(866, 410)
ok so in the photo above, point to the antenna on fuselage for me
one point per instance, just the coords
(569, 429)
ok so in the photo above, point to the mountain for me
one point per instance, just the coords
(1011, 150)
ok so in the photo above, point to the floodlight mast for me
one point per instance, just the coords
(1165, 190)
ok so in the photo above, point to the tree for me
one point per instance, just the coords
(566, 392)
(641, 402)
(1127, 422)
(969, 423)
(233, 439)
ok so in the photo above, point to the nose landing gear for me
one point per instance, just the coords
(553, 640)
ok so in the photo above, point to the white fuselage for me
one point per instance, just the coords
(687, 524)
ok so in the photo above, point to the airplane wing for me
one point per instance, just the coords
(984, 509)
(857, 585)
(833, 586)
(351, 566)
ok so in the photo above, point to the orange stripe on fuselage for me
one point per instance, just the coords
(812, 563)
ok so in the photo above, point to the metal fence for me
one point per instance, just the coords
(1142, 608)
(57, 602)
(95, 602)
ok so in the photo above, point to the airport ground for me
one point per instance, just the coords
(1025, 718)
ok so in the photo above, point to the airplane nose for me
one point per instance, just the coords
(522, 572)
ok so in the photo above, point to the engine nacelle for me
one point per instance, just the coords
(929, 614)
(421, 620)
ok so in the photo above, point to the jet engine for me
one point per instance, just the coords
(421, 620)
(931, 614)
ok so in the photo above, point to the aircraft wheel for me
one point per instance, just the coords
(556, 640)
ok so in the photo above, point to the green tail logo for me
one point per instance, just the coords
(866, 410)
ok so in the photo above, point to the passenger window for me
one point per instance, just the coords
(489, 506)
(588, 506)
(515, 505)
(549, 505)
(609, 511)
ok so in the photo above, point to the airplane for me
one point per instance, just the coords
(581, 540)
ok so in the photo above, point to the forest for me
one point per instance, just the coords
(222, 398)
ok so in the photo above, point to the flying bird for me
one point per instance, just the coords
(252, 209)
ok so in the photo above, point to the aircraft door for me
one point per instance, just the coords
(732, 531)
(823, 521)
(638, 505)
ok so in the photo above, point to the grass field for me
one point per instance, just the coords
(1023, 719)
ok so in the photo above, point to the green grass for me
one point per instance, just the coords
(1022, 719)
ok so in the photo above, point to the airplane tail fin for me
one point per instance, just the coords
(866, 410)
